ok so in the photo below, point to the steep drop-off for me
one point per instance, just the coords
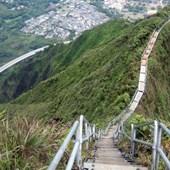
(27, 74)
(156, 102)
(96, 75)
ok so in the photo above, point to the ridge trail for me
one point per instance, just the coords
(106, 151)
(112, 155)
(107, 155)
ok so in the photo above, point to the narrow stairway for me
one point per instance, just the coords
(109, 157)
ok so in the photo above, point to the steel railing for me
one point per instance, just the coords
(156, 129)
(83, 132)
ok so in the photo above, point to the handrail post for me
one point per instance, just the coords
(94, 132)
(90, 132)
(158, 146)
(99, 133)
(116, 133)
(119, 131)
(87, 135)
(133, 137)
(79, 137)
(102, 132)
(154, 147)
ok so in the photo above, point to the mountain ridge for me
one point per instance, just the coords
(92, 81)
(96, 75)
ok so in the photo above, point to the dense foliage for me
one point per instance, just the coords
(12, 41)
(29, 143)
(96, 75)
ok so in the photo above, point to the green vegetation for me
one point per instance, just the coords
(28, 143)
(13, 42)
(155, 103)
(96, 75)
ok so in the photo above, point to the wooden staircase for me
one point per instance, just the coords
(109, 157)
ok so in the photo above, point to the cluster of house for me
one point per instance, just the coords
(68, 20)
(134, 9)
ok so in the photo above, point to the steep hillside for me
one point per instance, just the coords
(26, 75)
(12, 16)
(156, 101)
(96, 75)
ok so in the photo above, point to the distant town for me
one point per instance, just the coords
(67, 19)
(135, 9)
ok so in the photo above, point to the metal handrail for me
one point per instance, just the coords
(63, 147)
(73, 156)
(157, 150)
(79, 127)
(165, 128)
(143, 142)
(164, 157)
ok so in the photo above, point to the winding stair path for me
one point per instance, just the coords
(107, 155)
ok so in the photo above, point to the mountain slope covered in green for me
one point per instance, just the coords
(13, 42)
(54, 60)
(96, 75)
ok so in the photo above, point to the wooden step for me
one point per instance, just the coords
(108, 149)
(109, 153)
(109, 157)
(105, 142)
(99, 166)
(115, 161)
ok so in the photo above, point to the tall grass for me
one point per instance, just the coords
(28, 143)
